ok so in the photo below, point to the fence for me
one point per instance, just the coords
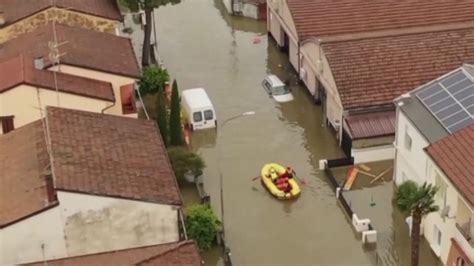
(336, 186)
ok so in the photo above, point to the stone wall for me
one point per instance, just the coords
(62, 16)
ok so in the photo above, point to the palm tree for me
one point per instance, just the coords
(147, 6)
(418, 201)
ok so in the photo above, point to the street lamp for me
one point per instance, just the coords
(221, 127)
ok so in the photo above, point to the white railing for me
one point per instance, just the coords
(462, 239)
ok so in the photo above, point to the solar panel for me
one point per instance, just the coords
(450, 100)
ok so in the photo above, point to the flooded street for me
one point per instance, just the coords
(202, 46)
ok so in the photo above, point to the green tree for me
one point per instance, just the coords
(153, 79)
(162, 117)
(147, 6)
(185, 161)
(176, 136)
(417, 201)
(202, 225)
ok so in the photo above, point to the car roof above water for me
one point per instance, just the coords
(275, 80)
(197, 98)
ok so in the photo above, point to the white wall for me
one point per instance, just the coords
(293, 54)
(373, 154)
(410, 163)
(99, 224)
(22, 241)
(416, 165)
(24, 103)
(250, 10)
(116, 80)
(84, 224)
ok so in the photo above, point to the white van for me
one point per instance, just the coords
(277, 89)
(199, 111)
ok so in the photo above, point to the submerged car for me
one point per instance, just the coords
(277, 89)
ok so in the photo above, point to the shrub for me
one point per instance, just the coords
(202, 225)
(184, 161)
(153, 80)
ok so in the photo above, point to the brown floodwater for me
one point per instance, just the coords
(202, 46)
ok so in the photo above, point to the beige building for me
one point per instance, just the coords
(356, 60)
(101, 66)
(25, 91)
(78, 183)
(20, 16)
(435, 144)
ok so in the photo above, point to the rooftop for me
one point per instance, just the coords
(454, 155)
(16, 10)
(24, 162)
(320, 18)
(183, 253)
(20, 70)
(370, 125)
(383, 68)
(81, 48)
(442, 106)
(110, 156)
(90, 153)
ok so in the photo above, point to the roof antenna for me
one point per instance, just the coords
(54, 54)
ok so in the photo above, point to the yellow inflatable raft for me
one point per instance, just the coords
(272, 171)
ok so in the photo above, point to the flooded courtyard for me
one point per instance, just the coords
(202, 46)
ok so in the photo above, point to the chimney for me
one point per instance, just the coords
(2, 19)
(39, 62)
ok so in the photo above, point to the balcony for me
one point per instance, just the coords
(465, 229)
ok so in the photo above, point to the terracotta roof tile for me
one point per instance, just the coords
(383, 68)
(81, 47)
(16, 10)
(454, 155)
(328, 17)
(23, 163)
(111, 156)
(19, 70)
(174, 254)
(370, 125)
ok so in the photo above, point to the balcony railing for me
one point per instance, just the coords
(466, 231)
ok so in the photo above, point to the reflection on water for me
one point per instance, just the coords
(203, 46)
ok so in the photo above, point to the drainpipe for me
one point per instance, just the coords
(108, 107)
(299, 62)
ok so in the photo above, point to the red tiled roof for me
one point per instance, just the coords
(111, 156)
(20, 70)
(321, 18)
(454, 155)
(81, 47)
(374, 71)
(16, 10)
(183, 253)
(24, 160)
(371, 125)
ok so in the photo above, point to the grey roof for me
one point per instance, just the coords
(469, 69)
(420, 116)
(422, 119)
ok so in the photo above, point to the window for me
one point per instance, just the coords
(407, 139)
(437, 236)
(460, 262)
(197, 116)
(7, 124)
(127, 94)
(267, 85)
(441, 194)
(208, 115)
(280, 90)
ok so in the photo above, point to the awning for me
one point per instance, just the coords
(370, 125)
